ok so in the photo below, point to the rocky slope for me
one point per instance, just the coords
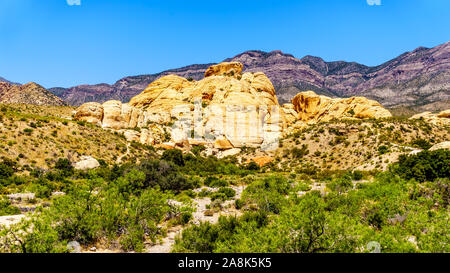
(225, 110)
(440, 119)
(419, 78)
(37, 136)
(30, 93)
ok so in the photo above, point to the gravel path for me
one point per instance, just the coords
(198, 216)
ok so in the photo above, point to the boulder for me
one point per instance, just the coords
(86, 163)
(229, 152)
(10, 220)
(442, 145)
(166, 145)
(223, 144)
(132, 135)
(91, 112)
(112, 115)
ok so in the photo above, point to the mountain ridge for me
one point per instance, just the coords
(391, 83)
(30, 93)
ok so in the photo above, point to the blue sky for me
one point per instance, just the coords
(55, 44)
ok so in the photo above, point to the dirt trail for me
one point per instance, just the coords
(198, 216)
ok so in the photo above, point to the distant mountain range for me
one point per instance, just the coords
(5, 80)
(418, 79)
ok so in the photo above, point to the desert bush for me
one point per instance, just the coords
(173, 155)
(424, 166)
(164, 175)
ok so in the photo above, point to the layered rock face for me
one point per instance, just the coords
(226, 110)
(440, 119)
(312, 108)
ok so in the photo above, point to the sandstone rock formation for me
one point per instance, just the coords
(91, 112)
(225, 110)
(225, 68)
(440, 119)
(312, 108)
(261, 160)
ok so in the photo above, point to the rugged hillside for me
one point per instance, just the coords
(123, 89)
(30, 93)
(418, 79)
(36, 136)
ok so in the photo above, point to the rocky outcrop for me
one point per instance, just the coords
(86, 163)
(440, 119)
(313, 108)
(224, 69)
(225, 111)
(444, 114)
(261, 160)
(91, 112)
(442, 145)
(419, 78)
(289, 112)
(30, 93)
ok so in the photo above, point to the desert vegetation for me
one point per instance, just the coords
(331, 187)
(130, 207)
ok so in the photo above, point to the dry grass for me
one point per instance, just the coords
(37, 136)
(344, 145)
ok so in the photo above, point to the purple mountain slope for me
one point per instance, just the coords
(420, 78)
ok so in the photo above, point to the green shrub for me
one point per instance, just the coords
(214, 182)
(421, 143)
(6, 171)
(7, 209)
(64, 164)
(229, 192)
(299, 153)
(424, 166)
(173, 155)
(383, 149)
(165, 175)
(253, 166)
